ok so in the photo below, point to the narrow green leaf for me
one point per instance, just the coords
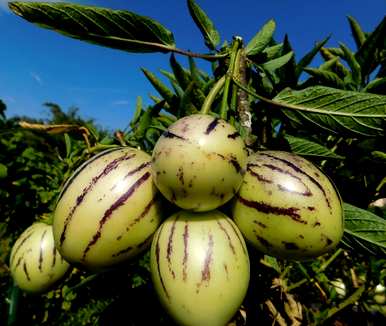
(3, 171)
(161, 88)
(364, 230)
(287, 73)
(138, 111)
(277, 63)
(67, 141)
(336, 51)
(117, 29)
(181, 75)
(353, 64)
(306, 60)
(356, 31)
(260, 41)
(305, 147)
(378, 86)
(206, 26)
(368, 54)
(329, 64)
(195, 73)
(272, 52)
(334, 110)
(327, 78)
(186, 105)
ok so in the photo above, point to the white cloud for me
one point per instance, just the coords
(36, 77)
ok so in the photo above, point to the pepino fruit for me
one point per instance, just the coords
(35, 263)
(287, 207)
(198, 163)
(108, 210)
(200, 267)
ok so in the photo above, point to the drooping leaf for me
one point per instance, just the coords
(369, 52)
(206, 26)
(327, 78)
(334, 110)
(261, 39)
(306, 60)
(119, 29)
(305, 147)
(364, 230)
(356, 31)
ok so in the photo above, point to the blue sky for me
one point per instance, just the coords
(38, 65)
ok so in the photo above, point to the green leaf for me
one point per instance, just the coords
(260, 41)
(274, 51)
(138, 111)
(306, 60)
(206, 26)
(367, 55)
(277, 63)
(334, 110)
(3, 171)
(329, 64)
(181, 75)
(117, 29)
(305, 147)
(161, 88)
(378, 85)
(353, 64)
(67, 141)
(327, 78)
(364, 230)
(356, 31)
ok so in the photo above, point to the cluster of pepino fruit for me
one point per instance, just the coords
(111, 209)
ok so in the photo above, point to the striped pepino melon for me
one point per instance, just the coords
(200, 267)
(35, 263)
(108, 210)
(199, 162)
(287, 207)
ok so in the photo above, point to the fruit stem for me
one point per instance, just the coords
(212, 95)
(229, 76)
(350, 300)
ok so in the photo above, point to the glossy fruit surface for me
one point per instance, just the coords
(287, 207)
(199, 162)
(35, 263)
(108, 210)
(200, 267)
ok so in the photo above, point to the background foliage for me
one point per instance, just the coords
(334, 115)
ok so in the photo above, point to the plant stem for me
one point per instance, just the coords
(320, 270)
(330, 260)
(350, 300)
(229, 77)
(212, 95)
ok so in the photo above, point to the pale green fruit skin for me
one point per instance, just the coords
(200, 267)
(286, 207)
(35, 263)
(198, 164)
(108, 210)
